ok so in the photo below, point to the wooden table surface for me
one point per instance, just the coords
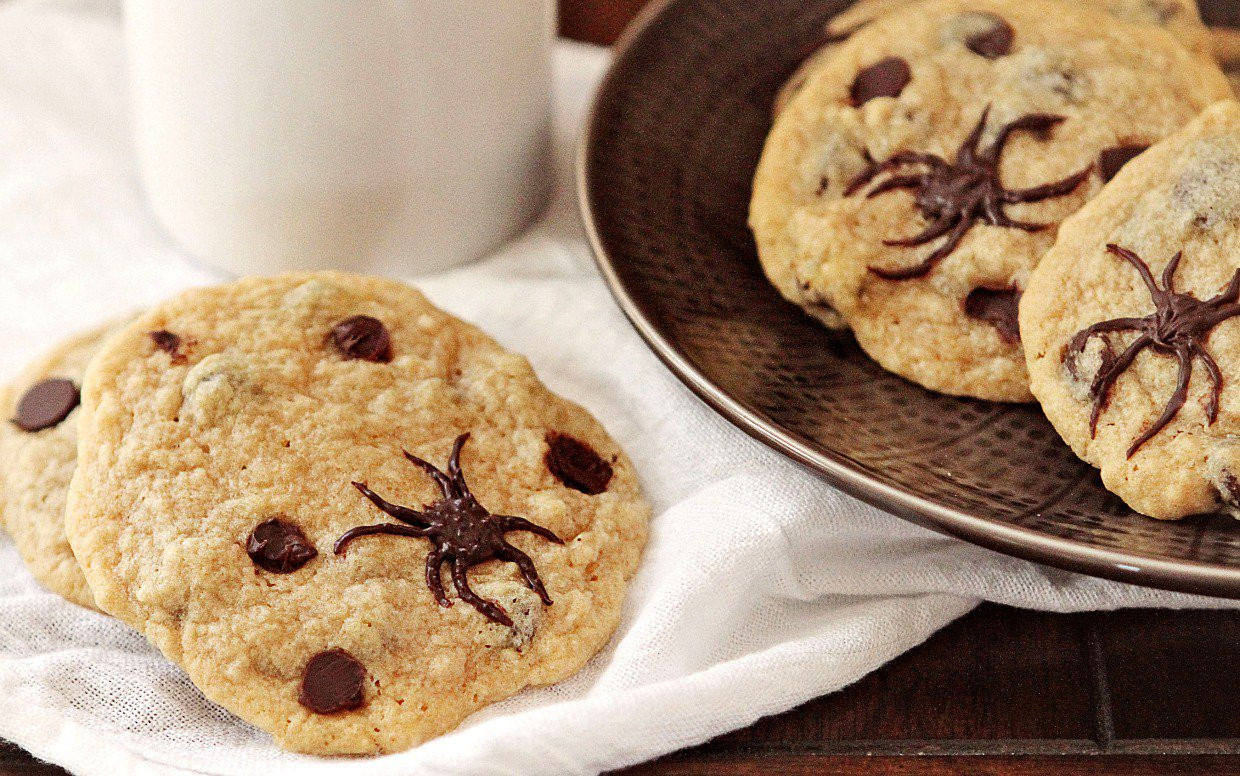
(1001, 692)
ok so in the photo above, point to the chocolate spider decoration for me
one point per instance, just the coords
(461, 531)
(1179, 327)
(953, 196)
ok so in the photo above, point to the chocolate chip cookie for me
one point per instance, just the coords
(38, 453)
(1132, 325)
(921, 173)
(1181, 18)
(352, 518)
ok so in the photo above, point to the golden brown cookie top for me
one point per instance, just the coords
(222, 483)
(1181, 18)
(921, 173)
(1132, 324)
(38, 453)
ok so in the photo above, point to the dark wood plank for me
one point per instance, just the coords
(15, 762)
(10, 754)
(995, 674)
(1173, 675)
(818, 765)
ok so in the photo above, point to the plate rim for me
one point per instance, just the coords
(1193, 577)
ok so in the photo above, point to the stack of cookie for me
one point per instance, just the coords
(940, 165)
(350, 517)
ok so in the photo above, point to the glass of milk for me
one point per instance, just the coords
(385, 136)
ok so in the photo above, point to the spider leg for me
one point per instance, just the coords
(513, 523)
(441, 479)
(1105, 380)
(914, 157)
(863, 178)
(1048, 190)
(935, 230)
(1229, 294)
(404, 514)
(1174, 404)
(454, 465)
(1168, 276)
(1077, 344)
(923, 268)
(528, 571)
(392, 529)
(1142, 268)
(995, 215)
(1034, 122)
(1216, 379)
(866, 176)
(1224, 312)
(489, 609)
(968, 153)
(897, 182)
(434, 559)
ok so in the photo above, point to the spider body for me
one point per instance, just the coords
(1178, 328)
(953, 196)
(462, 532)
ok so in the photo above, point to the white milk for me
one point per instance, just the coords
(394, 137)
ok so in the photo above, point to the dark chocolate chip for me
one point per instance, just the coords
(998, 307)
(169, 343)
(1112, 160)
(885, 78)
(333, 682)
(46, 404)
(166, 341)
(363, 337)
(576, 464)
(1071, 358)
(279, 546)
(992, 43)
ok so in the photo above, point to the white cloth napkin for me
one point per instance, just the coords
(762, 586)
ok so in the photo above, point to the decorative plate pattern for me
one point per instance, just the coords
(665, 177)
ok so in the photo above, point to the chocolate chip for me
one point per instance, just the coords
(279, 546)
(332, 683)
(998, 307)
(1081, 376)
(576, 464)
(363, 337)
(46, 404)
(994, 42)
(1112, 160)
(169, 343)
(165, 340)
(885, 78)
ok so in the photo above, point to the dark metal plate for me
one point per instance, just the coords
(665, 179)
